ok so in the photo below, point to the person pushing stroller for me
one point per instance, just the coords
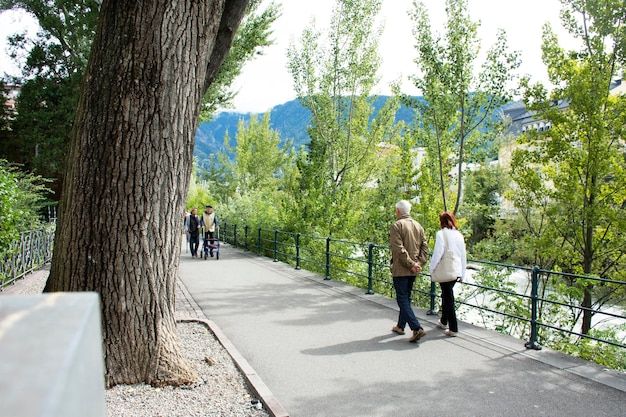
(209, 224)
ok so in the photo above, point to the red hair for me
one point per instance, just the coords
(448, 221)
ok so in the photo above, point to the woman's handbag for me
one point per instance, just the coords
(449, 264)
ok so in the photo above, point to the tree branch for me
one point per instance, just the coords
(231, 18)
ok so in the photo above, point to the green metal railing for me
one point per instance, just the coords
(366, 265)
(30, 252)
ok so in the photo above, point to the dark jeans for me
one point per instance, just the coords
(194, 242)
(404, 287)
(207, 242)
(448, 313)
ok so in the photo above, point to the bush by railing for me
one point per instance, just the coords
(516, 300)
(30, 252)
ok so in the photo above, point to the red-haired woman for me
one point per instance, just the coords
(450, 232)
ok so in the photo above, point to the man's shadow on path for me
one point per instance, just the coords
(378, 343)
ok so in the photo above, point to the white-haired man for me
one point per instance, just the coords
(409, 253)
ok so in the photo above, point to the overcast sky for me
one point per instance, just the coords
(265, 82)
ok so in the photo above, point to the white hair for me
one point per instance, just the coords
(404, 207)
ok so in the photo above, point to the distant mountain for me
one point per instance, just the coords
(290, 120)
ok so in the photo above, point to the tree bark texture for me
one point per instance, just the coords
(121, 213)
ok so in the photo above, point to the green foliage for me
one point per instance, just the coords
(56, 61)
(430, 203)
(497, 289)
(459, 107)
(63, 42)
(563, 292)
(218, 177)
(45, 113)
(22, 196)
(254, 209)
(51, 75)
(481, 209)
(572, 177)
(333, 79)
(261, 161)
(255, 186)
(5, 114)
(613, 357)
(359, 164)
(395, 182)
(199, 195)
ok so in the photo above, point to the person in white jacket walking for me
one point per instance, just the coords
(456, 243)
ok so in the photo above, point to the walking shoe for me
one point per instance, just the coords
(417, 335)
(441, 325)
(450, 333)
(398, 330)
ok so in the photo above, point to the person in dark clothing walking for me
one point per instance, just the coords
(193, 228)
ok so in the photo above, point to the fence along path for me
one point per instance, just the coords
(351, 260)
(32, 251)
(325, 349)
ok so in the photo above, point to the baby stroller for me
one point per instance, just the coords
(211, 245)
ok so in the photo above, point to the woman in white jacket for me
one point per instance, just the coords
(456, 243)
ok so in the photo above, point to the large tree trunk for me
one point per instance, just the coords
(121, 212)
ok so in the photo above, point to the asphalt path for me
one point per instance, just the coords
(325, 349)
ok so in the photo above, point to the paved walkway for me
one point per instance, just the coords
(325, 349)
(320, 348)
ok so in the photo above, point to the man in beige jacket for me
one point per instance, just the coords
(409, 253)
(209, 224)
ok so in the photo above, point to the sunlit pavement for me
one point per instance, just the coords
(326, 349)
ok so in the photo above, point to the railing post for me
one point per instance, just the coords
(235, 235)
(297, 250)
(532, 343)
(224, 228)
(23, 253)
(433, 309)
(275, 245)
(370, 268)
(15, 261)
(327, 277)
(245, 229)
(258, 243)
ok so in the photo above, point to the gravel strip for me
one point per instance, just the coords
(221, 389)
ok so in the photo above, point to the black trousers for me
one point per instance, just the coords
(448, 313)
(194, 241)
(207, 242)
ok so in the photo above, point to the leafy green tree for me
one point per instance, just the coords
(395, 182)
(260, 160)
(6, 115)
(198, 195)
(218, 176)
(22, 196)
(334, 79)
(459, 102)
(573, 176)
(62, 45)
(484, 188)
(260, 174)
(50, 81)
(55, 65)
(45, 112)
